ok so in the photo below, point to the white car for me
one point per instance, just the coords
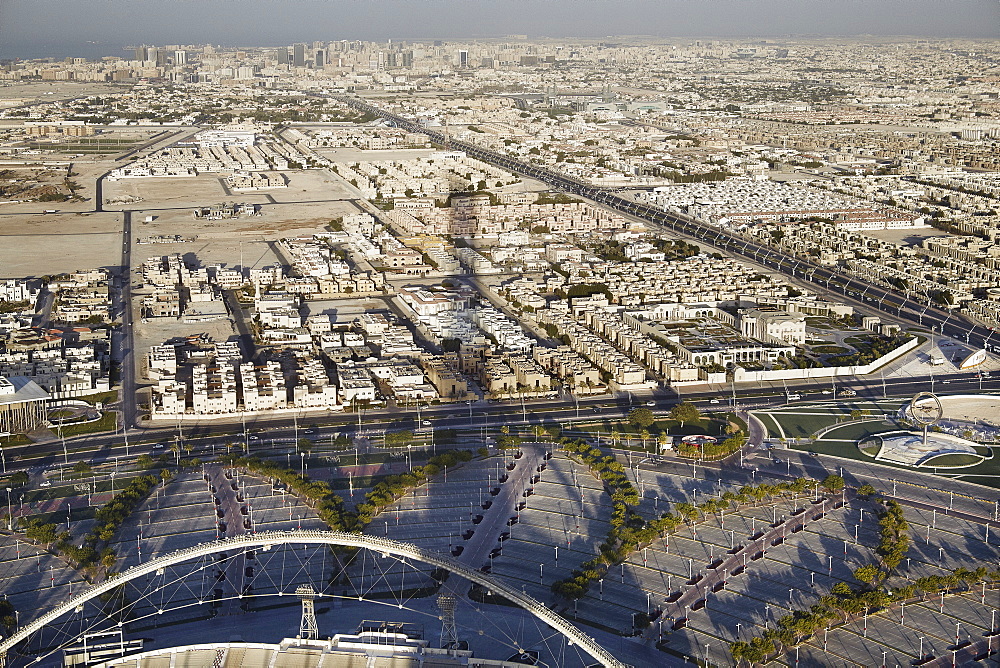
(714, 401)
(46, 483)
(651, 404)
(426, 423)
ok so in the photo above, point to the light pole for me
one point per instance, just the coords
(10, 512)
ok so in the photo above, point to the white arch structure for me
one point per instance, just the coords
(268, 539)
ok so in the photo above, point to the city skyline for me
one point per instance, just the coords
(685, 347)
(93, 29)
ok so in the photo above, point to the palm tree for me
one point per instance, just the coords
(662, 440)
(644, 436)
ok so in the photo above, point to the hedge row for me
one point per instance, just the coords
(629, 531)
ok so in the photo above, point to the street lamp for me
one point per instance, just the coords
(10, 512)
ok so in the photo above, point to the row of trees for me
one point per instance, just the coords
(88, 555)
(392, 487)
(682, 413)
(843, 599)
(624, 522)
(715, 450)
(328, 505)
(630, 531)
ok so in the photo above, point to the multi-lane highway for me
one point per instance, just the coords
(476, 420)
(856, 291)
(484, 415)
(123, 338)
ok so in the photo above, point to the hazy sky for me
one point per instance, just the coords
(36, 28)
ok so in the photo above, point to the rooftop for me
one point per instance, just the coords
(18, 389)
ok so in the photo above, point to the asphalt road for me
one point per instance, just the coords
(482, 416)
(123, 345)
(917, 311)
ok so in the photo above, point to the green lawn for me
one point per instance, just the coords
(103, 397)
(829, 350)
(106, 423)
(770, 424)
(953, 460)
(856, 431)
(803, 422)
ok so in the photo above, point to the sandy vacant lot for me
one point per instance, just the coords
(40, 244)
(50, 91)
(247, 240)
(182, 192)
(349, 155)
(157, 331)
(35, 243)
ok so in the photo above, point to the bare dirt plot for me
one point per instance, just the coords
(909, 236)
(36, 245)
(183, 192)
(307, 186)
(349, 155)
(33, 182)
(50, 91)
(157, 331)
(247, 240)
(313, 185)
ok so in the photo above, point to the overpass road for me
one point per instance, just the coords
(855, 291)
